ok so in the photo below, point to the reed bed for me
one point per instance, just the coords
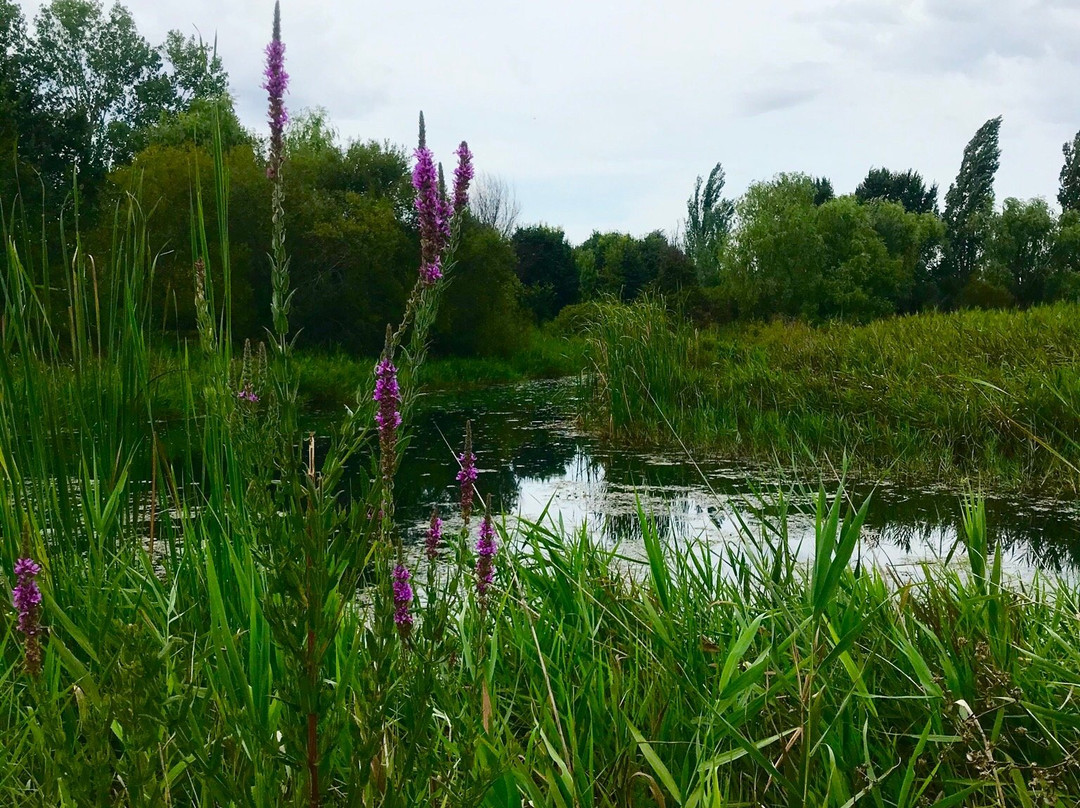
(984, 398)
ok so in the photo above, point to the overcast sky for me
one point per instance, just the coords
(600, 114)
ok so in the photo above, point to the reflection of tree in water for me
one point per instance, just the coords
(513, 439)
(522, 438)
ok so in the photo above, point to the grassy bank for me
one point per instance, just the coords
(331, 381)
(986, 398)
(182, 658)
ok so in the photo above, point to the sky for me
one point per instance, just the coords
(601, 114)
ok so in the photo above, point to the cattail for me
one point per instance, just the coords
(276, 81)
(485, 557)
(434, 535)
(467, 474)
(403, 596)
(463, 175)
(27, 600)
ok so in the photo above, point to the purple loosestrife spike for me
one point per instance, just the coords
(276, 82)
(467, 475)
(431, 273)
(429, 206)
(434, 535)
(403, 596)
(485, 557)
(463, 175)
(387, 414)
(27, 600)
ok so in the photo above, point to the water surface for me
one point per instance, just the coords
(534, 462)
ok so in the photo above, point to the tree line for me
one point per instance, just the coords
(790, 247)
(92, 115)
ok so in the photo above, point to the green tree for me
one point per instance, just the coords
(480, 313)
(354, 248)
(101, 86)
(14, 102)
(1069, 190)
(916, 239)
(1020, 250)
(621, 265)
(708, 222)
(969, 205)
(776, 260)
(823, 190)
(906, 188)
(842, 258)
(164, 179)
(546, 268)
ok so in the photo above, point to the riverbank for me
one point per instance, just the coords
(330, 381)
(989, 400)
(697, 679)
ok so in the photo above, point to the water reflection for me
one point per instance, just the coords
(533, 462)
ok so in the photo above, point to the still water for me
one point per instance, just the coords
(535, 463)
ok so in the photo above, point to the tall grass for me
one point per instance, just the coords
(218, 631)
(991, 398)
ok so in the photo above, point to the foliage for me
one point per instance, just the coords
(708, 223)
(546, 269)
(969, 204)
(905, 188)
(1020, 249)
(164, 177)
(1069, 190)
(955, 398)
(481, 312)
(793, 257)
(622, 265)
(823, 190)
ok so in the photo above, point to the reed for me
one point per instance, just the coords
(988, 399)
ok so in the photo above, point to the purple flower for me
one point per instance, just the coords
(387, 415)
(485, 552)
(276, 81)
(463, 174)
(431, 273)
(429, 207)
(467, 475)
(403, 596)
(27, 600)
(434, 535)
(247, 394)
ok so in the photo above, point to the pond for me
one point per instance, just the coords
(535, 463)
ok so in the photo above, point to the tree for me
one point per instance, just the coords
(823, 191)
(479, 314)
(842, 258)
(969, 204)
(621, 265)
(1020, 249)
(546, 269)
(101, 86)
(164, 178)
(196, 70)
(493, 203)
(708, 222)
(1069, 192)
(906, 188)
(915, 239)
(15, 105)
(775, 262)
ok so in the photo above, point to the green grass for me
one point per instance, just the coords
(329, 381)
(218, 629)
(990, 399)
